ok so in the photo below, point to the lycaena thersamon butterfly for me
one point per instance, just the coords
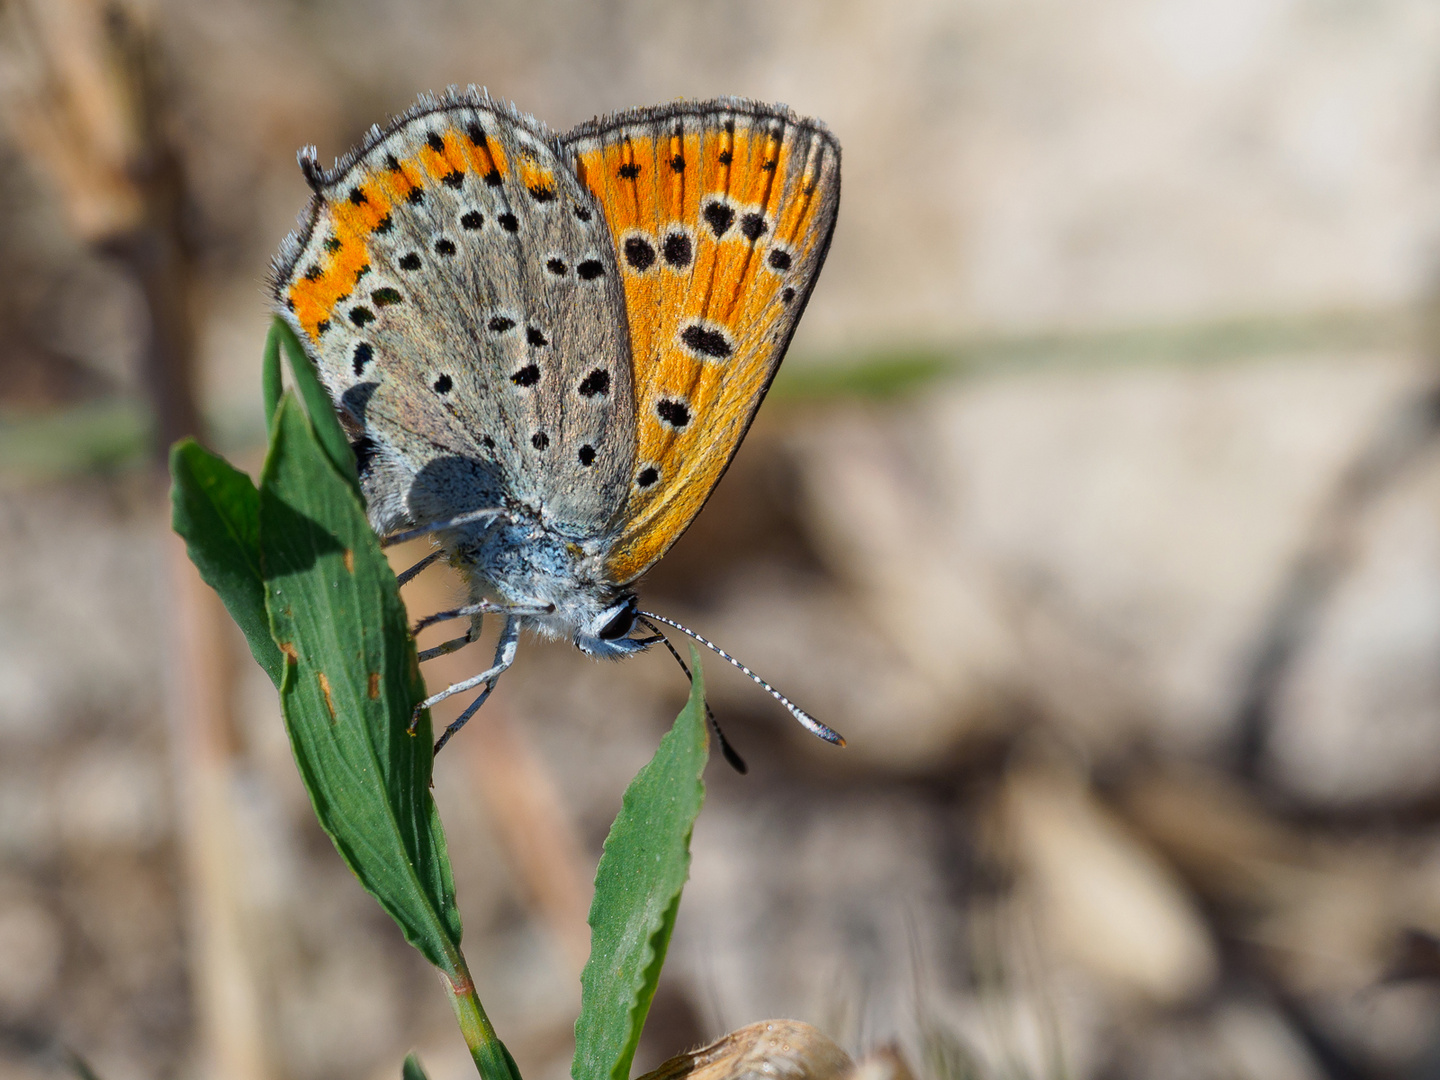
(547, 349)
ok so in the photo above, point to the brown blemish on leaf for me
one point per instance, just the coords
(325, 689)
(288, 648)
(349, 561)
(374, 685)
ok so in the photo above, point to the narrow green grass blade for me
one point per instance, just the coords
(216, 508)
(637, 894)
(78, 1065)
(350, 683)
(317, 400)
(412, 1070)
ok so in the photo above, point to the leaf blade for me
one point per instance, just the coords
(637, 894)
(271, 380)
(351, 679)
(216, 509)
(321, 409)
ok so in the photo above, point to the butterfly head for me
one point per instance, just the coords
(607, 635)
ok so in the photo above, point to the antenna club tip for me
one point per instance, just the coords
(824, 731)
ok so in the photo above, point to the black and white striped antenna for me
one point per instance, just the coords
(815, 727)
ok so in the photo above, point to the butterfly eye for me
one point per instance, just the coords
(619, 620)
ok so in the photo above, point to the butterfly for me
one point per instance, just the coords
(547, 349)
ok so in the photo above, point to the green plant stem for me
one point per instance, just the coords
(491, 1057)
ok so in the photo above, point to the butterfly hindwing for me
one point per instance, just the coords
(458, 288)
(721, 214)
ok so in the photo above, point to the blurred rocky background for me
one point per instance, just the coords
(1098, 504)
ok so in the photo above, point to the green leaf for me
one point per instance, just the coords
(317, 399)
(216, 508)
(412, 1069)
(271, 381)
(350, 684)
(637, 894)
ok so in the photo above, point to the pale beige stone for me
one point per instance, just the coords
(1106, 900)
(31, 951)
(767, 1050)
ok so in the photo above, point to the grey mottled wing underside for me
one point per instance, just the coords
(458, 289)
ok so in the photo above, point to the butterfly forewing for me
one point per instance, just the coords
(721, 214)
(457, 286)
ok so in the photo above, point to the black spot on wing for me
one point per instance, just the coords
(639, 253)
(528, 375)
(590, 269)
(410, 261)
(675, 413)
(707, 341)
(719, 216)
(597, 382)
(677, 249)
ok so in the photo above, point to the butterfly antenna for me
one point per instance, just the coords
(735, 761)
(815, 727)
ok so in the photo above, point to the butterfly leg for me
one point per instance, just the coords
(470, 710)
(482, 607)
(505, 651)
(445, 648)
(487, 514)
(407, 576)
